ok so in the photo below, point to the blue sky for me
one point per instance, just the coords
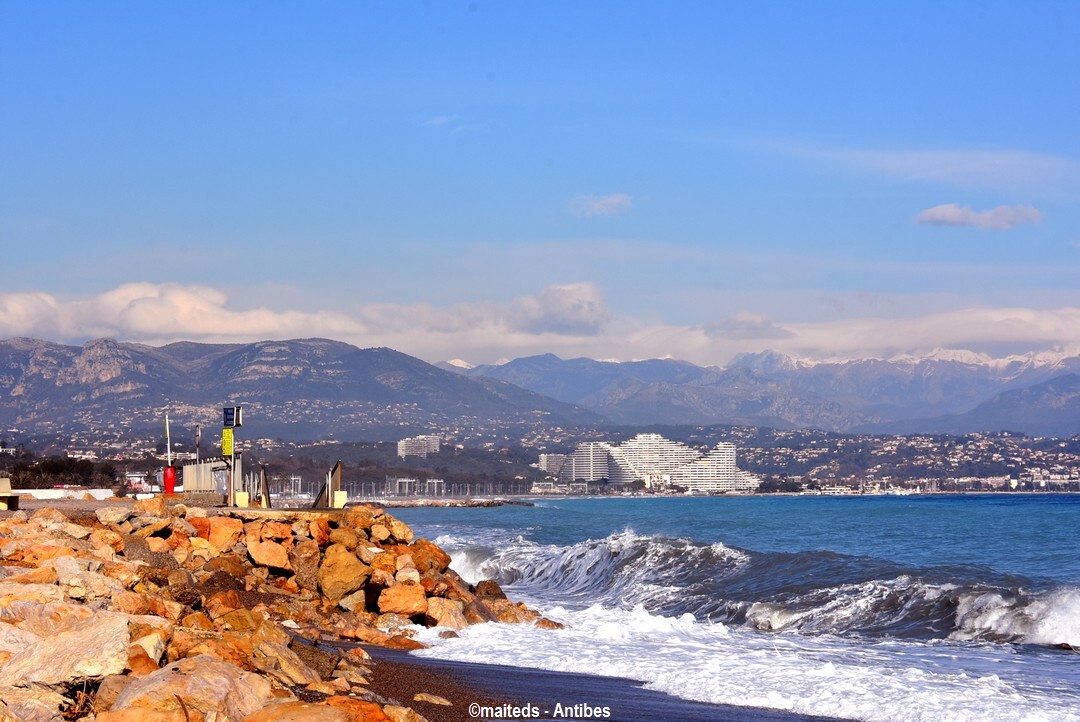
(488, 180)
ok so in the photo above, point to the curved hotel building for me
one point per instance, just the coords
(659, 463)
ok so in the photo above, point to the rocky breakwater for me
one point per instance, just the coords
(168, 613)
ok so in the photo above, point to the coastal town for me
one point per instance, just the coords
(769, 460)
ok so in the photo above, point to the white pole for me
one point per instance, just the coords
(168, 442)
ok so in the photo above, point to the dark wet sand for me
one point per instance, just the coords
(400, 675)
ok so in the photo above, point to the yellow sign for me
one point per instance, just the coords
(226, 442)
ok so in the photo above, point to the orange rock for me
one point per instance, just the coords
(341, 572)
(269, 554)
(129, 603)
(141, 714)
(231, 564)
(139, 662)
(239, 620)
(288, 585)
(154, 506)
(398, 529)
(276, 530)
(344, 536)
(178, 540)
(232, 648)
(164, 607)
(304, 558)
(446, 613)
(158, 545)
(41, 575)
(407, 600)
(197, 620)
(220, 603)
(358, 710)
(38, 553)
(359, 518)
(296, 711)
(253, 532)
(385, 561)
(106, 538)
(225, 531)
(202, 525)
(320, 531)
(406, 643)
(428, 556)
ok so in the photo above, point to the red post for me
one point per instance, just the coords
(170, 479)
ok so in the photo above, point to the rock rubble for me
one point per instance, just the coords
(176, 613)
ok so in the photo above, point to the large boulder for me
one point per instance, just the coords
(218, 690)
(341, 572)
(224, 531)
(304, 560)
(446, 613)
(428, 556)
(92, 649)
(269, 554)
(407, 600)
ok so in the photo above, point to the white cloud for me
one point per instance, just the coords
(568, 319)
(159, 312)
(996, 219)
(745, 325)
(576, 309)
(610, 205)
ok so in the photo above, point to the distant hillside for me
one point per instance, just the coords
(770, 389)
(1051, 408)
(299, 389)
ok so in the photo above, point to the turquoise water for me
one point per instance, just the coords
(918, 607)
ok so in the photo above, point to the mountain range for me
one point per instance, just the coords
(945, 392)
(300, 389)
(316, 388)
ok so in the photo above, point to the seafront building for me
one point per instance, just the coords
(419, 446)
(658, 464)
(589, 462)
(551, 463)
(650, 458)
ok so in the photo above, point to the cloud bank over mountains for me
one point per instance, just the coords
(568, 319)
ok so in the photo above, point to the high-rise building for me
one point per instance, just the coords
(715, 472)
(658, 463)
(418, 446)
(649, 458)
(589, 462)
(552, 463)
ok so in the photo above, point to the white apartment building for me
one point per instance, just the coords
(418, 446)
(650, 458)
(715, 472)
(552, 463)
(659, 463)
(589, 462)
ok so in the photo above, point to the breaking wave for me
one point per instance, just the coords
(804, 592)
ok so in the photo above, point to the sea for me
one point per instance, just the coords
(923, 607)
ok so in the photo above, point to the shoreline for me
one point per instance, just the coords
(463, 683)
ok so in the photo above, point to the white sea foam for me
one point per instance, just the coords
(1050, 619)
(887, 680)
